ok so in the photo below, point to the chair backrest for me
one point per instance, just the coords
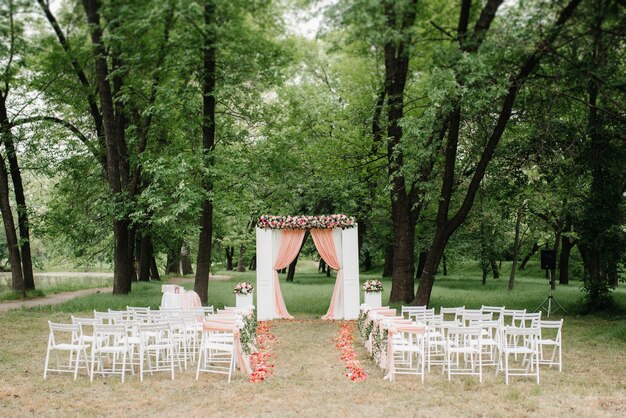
(447, 312)
(412, 309)
(550, 327)
(464, 337)
(509, 316)
(86, 324)
(422, 316)
(469, 318)
(110, 334)
(528, 320)
(495, 310)
(156, 333)
(107, 317)
(63, 333)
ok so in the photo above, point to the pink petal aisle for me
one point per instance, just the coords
(260, 361)
(345, 343)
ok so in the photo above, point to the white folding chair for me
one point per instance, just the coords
(409, 353)
(112, 341)
(550, 336)
(447, 312)
(490, 340)
(407, 310)
(509, 316)
(496, 311)
(421, 317)
(464, 352)
(468, 318)
(108, 317)
(65, 338)
(156, 348)
(519, 341)
(217, 353)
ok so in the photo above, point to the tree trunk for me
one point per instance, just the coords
(154, 270)
(17, 277)
(420, 264)
(533, 251)
(566, 248)
(555, 248)
(388, 266)
(292, 269)
(252, 262)
(134, 275)
(367, 260)
(115, 148)
(185, 260)
(203, 263)
(145, 258)
(444, 263)
(230, 253)
(173, 259)
(321, 266)
(494, 268)
(516, 246)
(242, 253)
(20, 199)
(403, 275)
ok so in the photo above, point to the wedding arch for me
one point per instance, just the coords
(278, 241)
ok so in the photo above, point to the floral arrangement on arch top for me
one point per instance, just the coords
(243, 288)
(371, 286)
(306, 222)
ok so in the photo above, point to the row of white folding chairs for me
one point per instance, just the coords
(111, 347)
(509, 316)
(440, 346)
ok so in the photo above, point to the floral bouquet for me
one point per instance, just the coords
(373, 286)
(243, 288)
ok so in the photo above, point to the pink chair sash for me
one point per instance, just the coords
(290, 243)
(243, 361)
(323, 239)
(394, 329)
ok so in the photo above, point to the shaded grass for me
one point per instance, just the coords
(53, 285)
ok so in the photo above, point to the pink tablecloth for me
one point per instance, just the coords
(184, 301)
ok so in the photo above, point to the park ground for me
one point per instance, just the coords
(309, 378)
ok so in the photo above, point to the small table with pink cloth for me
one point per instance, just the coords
(184, 300)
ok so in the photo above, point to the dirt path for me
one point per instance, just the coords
(55, 299)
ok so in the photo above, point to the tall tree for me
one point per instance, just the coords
(446, 224)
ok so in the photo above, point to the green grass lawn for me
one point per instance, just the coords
(308, 379)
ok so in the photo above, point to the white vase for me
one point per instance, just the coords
(373, 299)
(243, 301)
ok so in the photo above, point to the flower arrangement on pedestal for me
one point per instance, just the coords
(243, 288)
(373, 286)
(306, 222)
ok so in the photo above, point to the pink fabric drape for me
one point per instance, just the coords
(323, 239)
(290, 243)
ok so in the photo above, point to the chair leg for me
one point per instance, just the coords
(77, 363)
(123, 365)
(93, 362)
(506, 368)
(45, 367)
(141, 364)
(172, 362)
